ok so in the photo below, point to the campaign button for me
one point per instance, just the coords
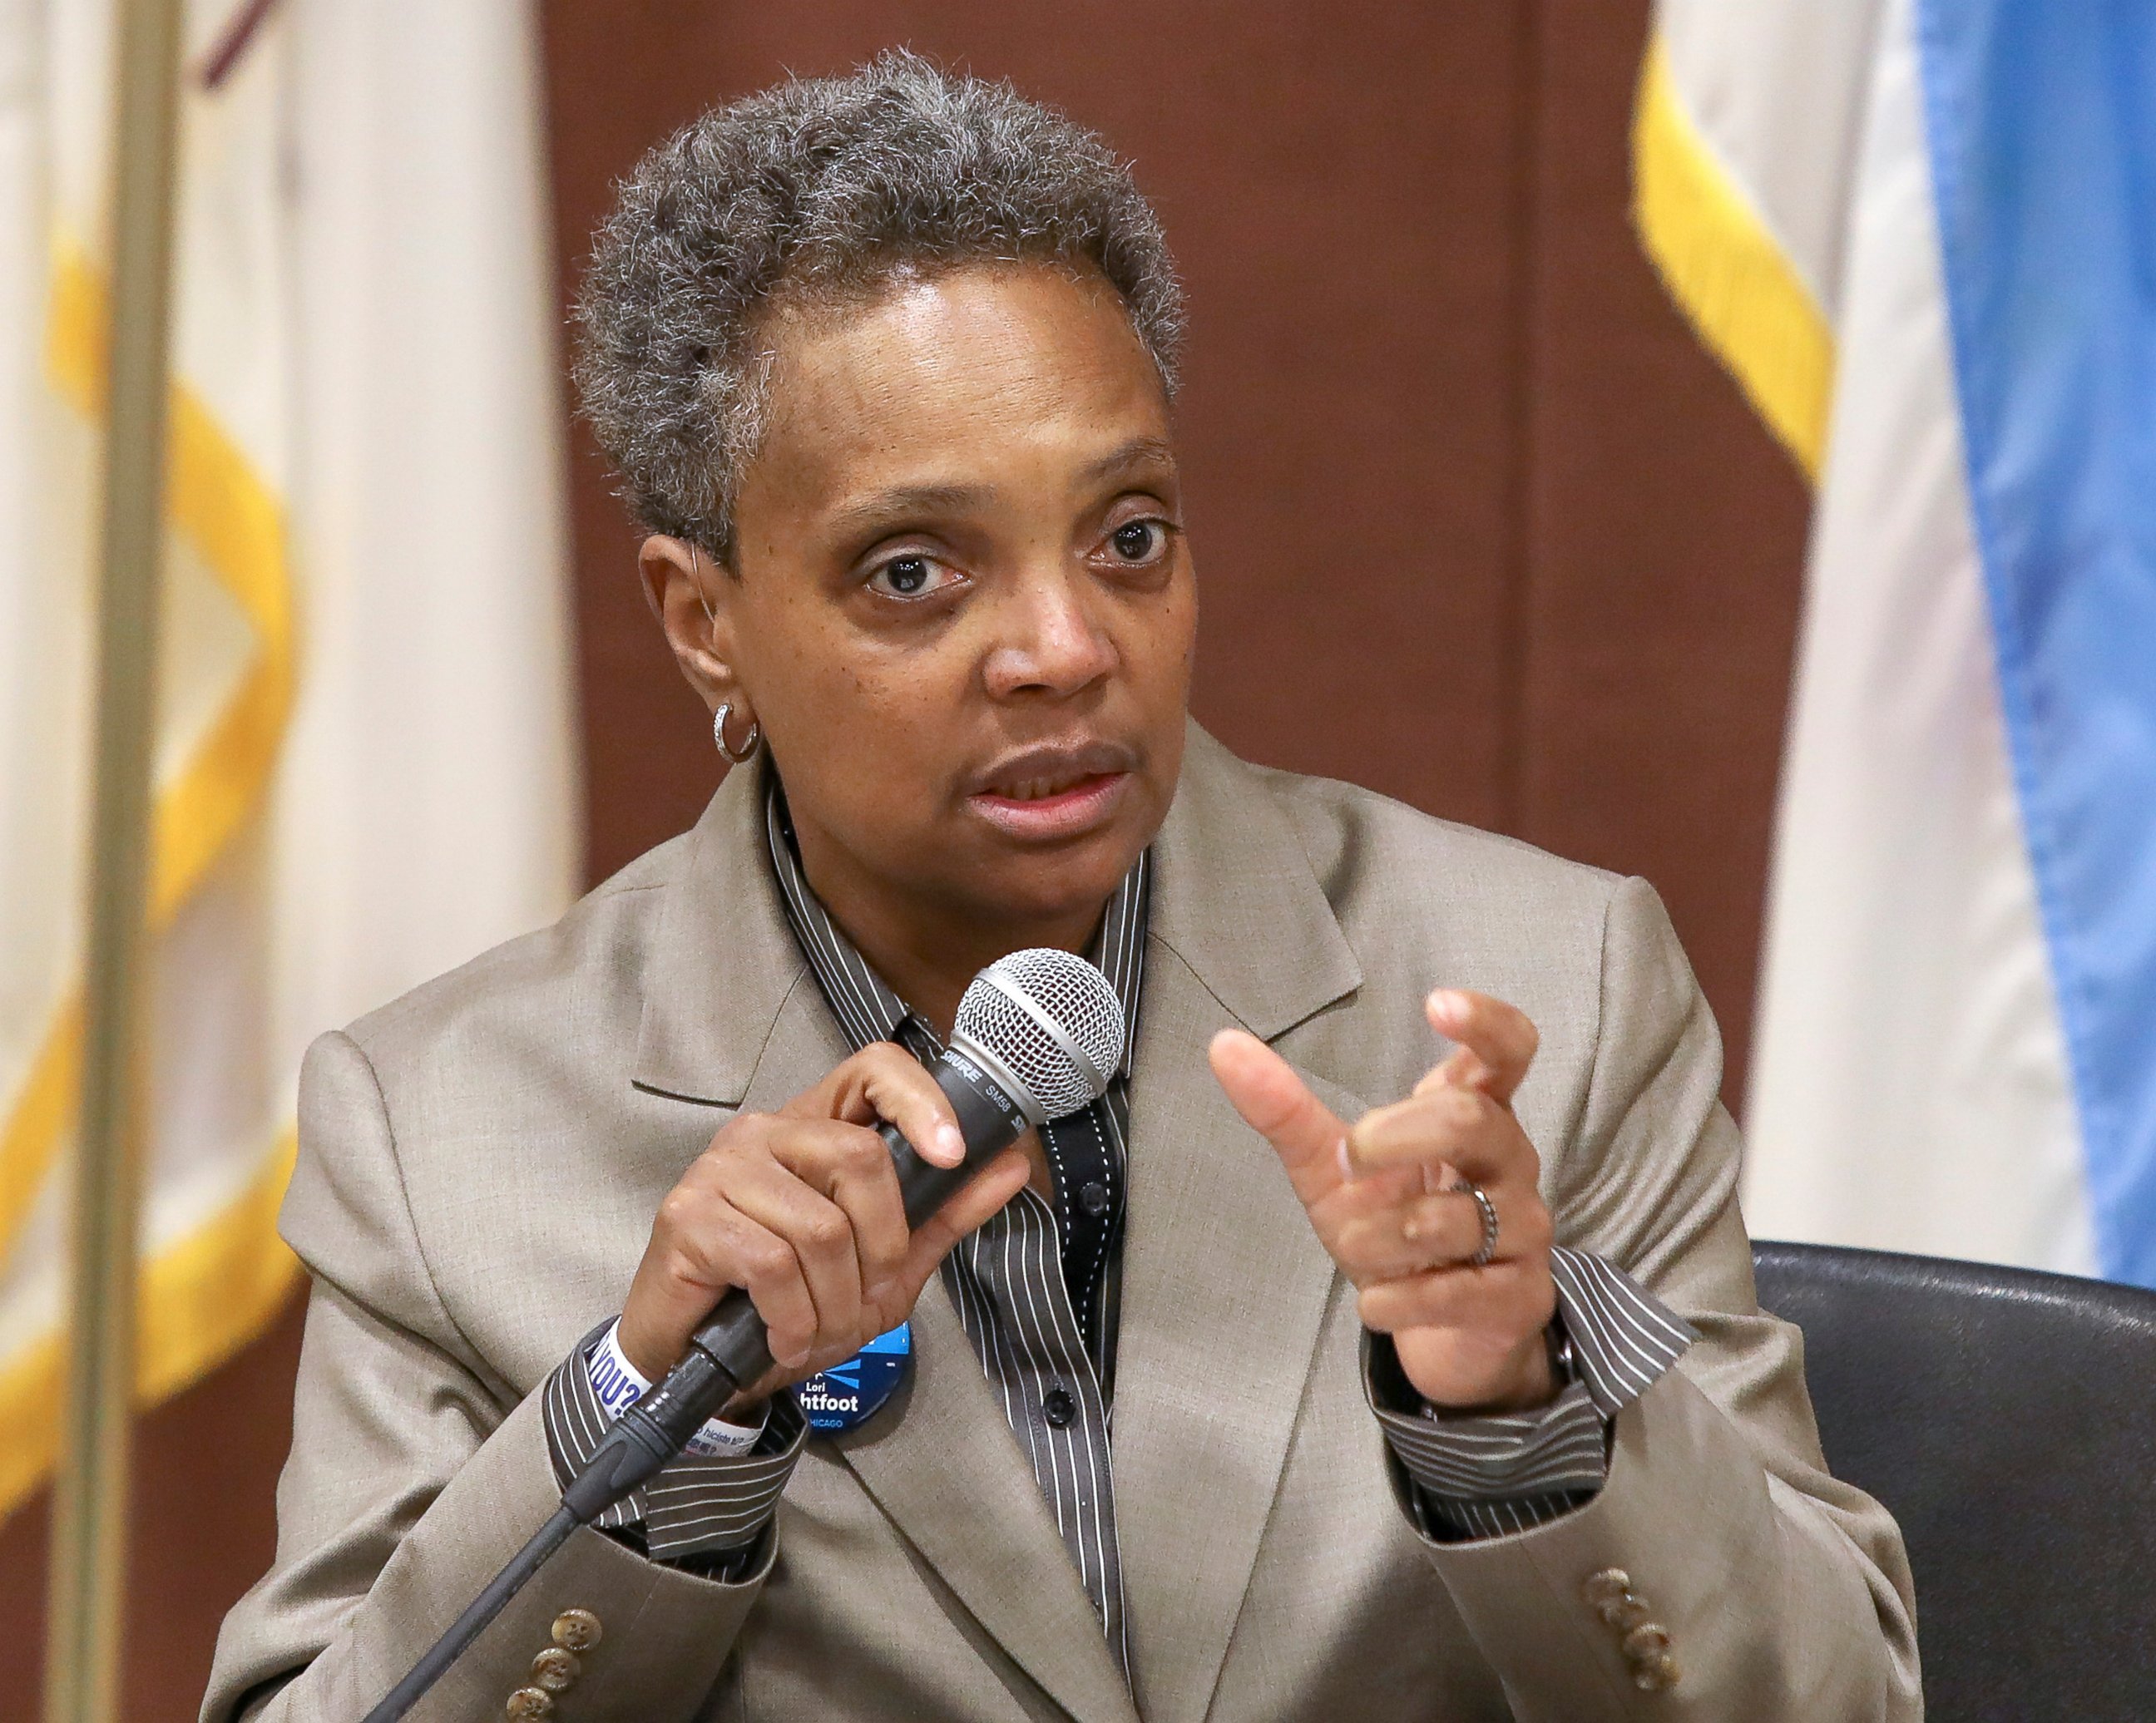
(849, 1394)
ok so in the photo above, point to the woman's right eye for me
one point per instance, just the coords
(913, 576)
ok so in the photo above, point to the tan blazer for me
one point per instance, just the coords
(481, 1160)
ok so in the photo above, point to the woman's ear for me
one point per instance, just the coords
(693, 601)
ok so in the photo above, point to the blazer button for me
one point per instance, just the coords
(1646, 1640)
(576, 1630)
(1624, 1613)
(528, 1704)
(1059, 1408)
(1656, 1673)
(556, 1670)
(1605, 1586)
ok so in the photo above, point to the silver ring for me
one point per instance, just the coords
(1481, 1259)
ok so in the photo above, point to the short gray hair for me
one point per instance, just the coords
(823, 191)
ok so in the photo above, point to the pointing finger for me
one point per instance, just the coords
(1278, 1104)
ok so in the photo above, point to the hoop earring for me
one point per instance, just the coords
(748, 747)
(754, 740)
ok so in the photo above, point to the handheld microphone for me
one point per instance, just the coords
(1039, 1034)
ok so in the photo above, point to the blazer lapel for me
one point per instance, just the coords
(948, 1472)
(725, 960)
(1224, 1284)
(941, 1463)
(733, 1017)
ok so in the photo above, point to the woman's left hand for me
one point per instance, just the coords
(1382, 1200)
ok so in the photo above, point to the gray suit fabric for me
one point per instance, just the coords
(480, 1162)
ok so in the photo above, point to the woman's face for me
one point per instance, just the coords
(965, 611)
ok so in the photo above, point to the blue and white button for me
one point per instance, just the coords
(848, 1395)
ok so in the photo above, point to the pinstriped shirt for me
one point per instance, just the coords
(1036, 1289)
(1021, 1281)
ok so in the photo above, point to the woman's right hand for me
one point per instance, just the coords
(801, 1209)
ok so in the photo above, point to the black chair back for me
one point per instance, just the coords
(2008, 1421)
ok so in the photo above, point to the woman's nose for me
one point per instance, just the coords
(1051, 642)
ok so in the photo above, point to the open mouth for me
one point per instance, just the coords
(1047, 789)
(1053, 792)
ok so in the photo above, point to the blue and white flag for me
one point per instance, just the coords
(1922, 234)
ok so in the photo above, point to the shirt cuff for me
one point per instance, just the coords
(1485, 1476)
(694, 1508)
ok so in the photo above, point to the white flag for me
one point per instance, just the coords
(365, 771)
(1919, 234)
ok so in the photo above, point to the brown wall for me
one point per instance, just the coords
(1478, 524)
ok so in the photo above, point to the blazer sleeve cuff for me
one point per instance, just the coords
(1494, 1474)
(709, 1514)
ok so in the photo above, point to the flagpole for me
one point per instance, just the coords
(89, 1566)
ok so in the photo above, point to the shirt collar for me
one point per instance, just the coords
(863, 1002)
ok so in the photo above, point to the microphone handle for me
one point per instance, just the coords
(733, 1336)
(732, 1350)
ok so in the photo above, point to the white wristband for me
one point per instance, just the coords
(619, 1384)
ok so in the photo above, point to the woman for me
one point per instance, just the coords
(1464, 1410)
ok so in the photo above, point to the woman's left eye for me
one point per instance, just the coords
(914, 576)
(1139, 541)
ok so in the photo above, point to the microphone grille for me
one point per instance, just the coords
(1053, 1023)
